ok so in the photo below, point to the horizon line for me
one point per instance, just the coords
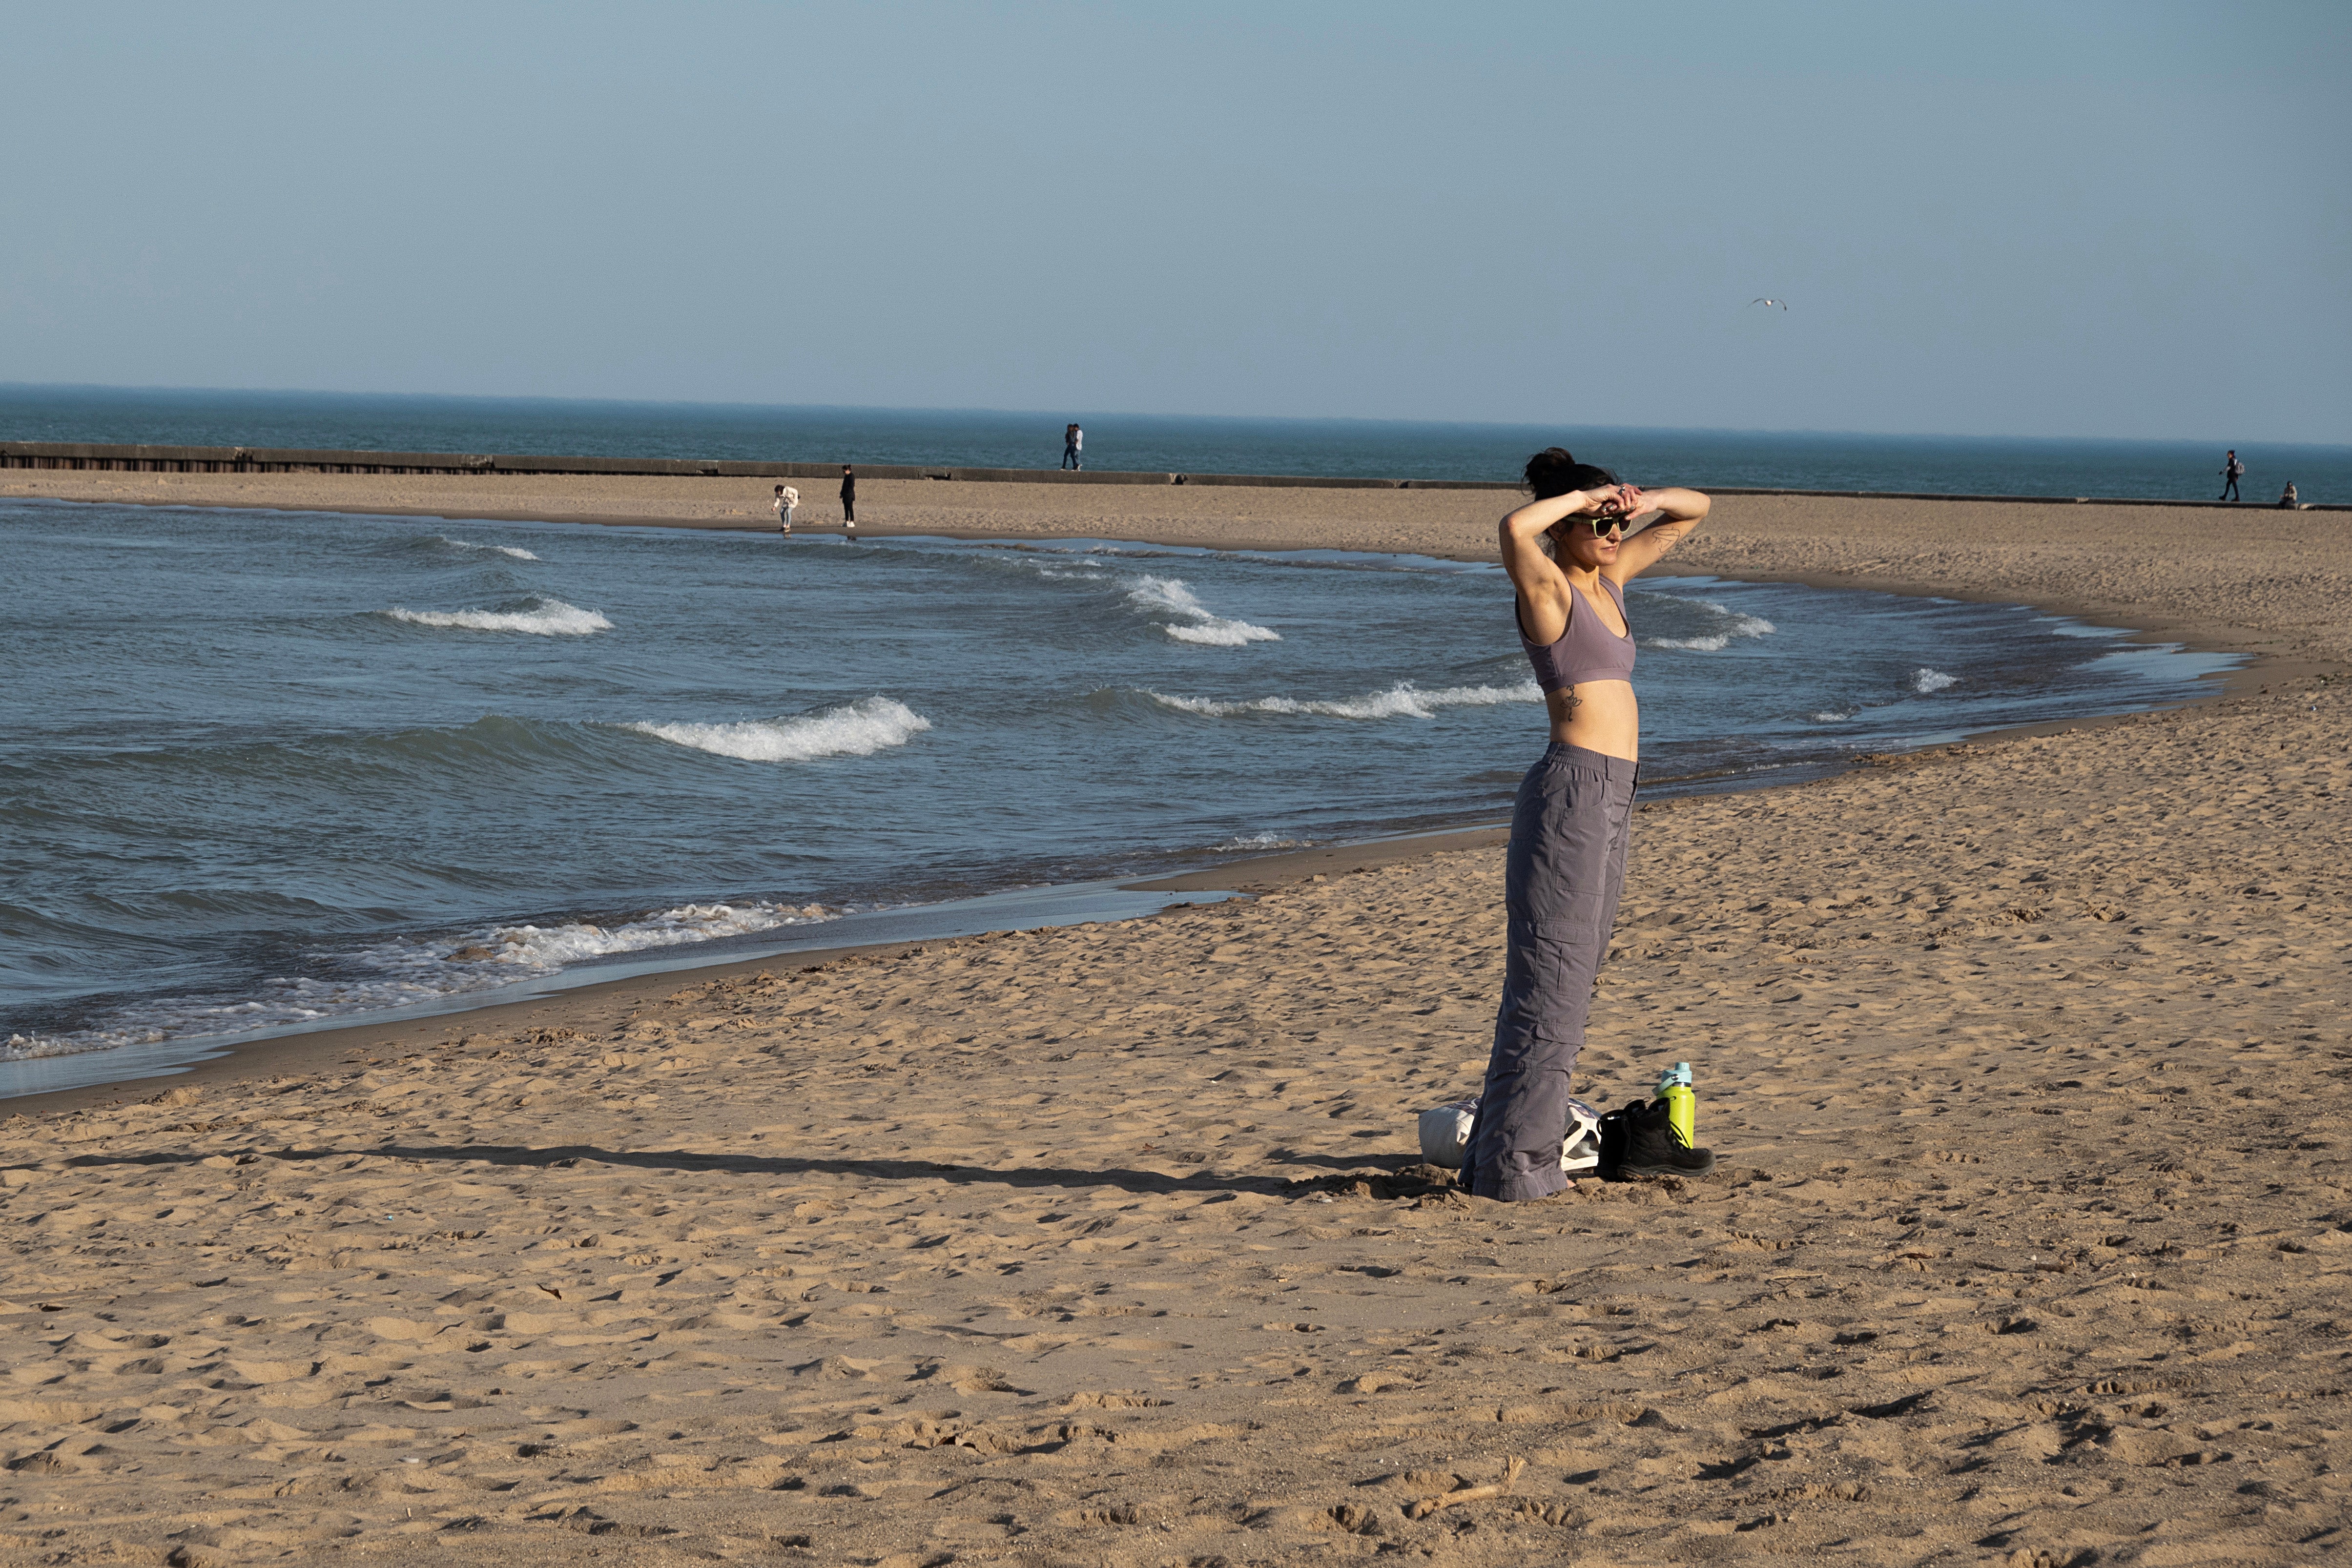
(6, 387)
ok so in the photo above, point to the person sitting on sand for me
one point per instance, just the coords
(2288, 501)
(1570, 560)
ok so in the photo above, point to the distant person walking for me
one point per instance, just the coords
(787, 498)
(2288, 499)
(2230, 471)
(849, 498)
(1074, 446)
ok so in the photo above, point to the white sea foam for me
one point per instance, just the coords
(1402, 701)
(406, 972)
(1832, 718)
(1925, 680)
(1732, 625)
(546, 618)
(858, 729)
(1191, 622)
(1223, 634)
(552, 947)
(1262, 841)
(1194, 622)
(515, 551)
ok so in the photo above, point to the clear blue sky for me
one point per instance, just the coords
(2129, 219)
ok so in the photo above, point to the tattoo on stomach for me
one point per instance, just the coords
(1567, 709)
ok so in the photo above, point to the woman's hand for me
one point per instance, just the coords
(1620, 501)
(1608, 500)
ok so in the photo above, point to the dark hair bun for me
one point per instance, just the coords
(1552, 472)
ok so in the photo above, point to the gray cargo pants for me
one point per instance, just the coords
(1569, 830)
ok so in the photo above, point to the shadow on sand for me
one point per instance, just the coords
(1390, 1175)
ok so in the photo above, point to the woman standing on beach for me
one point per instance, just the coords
(1570, 560)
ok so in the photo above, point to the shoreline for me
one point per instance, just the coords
(302, 1049)
(310, 1049)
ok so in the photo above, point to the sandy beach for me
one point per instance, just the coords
(2027, 1061)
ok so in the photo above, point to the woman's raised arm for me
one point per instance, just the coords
(1542, 587)
(1684, 510)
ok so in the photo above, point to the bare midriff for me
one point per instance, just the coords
(1598, 715)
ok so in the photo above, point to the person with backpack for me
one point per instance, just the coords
(2230, 471)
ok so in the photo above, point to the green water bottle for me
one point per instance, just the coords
(1682, 1103)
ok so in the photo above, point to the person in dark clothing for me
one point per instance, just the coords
(849, 498)
(1074, 446)
(2231, 469)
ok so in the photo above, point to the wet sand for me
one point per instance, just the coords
(2027, 1061)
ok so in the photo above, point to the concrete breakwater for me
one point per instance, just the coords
(78, 455)
(96, 456)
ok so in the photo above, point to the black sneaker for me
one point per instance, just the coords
(1643, 1141)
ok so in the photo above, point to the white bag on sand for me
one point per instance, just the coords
(1445, 1133)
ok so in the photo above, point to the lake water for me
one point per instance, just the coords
(2184, 470)
(264, 770)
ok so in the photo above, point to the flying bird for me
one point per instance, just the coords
(1768, 302)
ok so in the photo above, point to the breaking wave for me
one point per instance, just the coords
(858, 729)
(1731, 623)
(543, 948)
(545, 618)
(1402, 701)
(516, 551)
(1263, 841)
(1191, 621)
(1925, 680)
(1195, 623)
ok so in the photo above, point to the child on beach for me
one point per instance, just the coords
(787, 498)
(1569, 559)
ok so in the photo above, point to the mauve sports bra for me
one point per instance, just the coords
(1587, 650)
